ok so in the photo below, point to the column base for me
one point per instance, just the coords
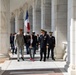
(58, 53)
(4, 55)
(67, 66)
(72, 70)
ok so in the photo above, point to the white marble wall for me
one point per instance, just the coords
(4, 26)
(72, 36)
(59, 25)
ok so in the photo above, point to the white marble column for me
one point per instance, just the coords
(31, 18)
(12, 23)
(59, 25)
(21, 23)
(36, 18)
(16, 21)
(21, 19)
(72, 36)
(54, 19)
(25, 29)
(53, 15)
(46, 15)
(4, 27)
(0, 25)
(25, 8)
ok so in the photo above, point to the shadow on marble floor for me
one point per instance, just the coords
(34, 71)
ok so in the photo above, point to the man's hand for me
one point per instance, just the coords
(30, 46)
(46, 47)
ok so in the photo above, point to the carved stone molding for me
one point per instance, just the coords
(16, 12)
(25, 7)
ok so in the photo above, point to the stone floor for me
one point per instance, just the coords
(2, 60)
(27, 67)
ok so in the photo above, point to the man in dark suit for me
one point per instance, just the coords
(12, 42)
(43, 44)
(27, 41)
(51, 42)
(34, 41)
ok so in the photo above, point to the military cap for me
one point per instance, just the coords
(43, 30)
(46, 31)
(33, 32)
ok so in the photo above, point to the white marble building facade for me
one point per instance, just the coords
(58, 16)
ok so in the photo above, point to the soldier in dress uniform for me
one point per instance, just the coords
(43, 44)
(51, 42)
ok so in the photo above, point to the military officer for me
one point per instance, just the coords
(51, 42)
(43, 44)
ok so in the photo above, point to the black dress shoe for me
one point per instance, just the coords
(47, 57)
(40, 59)
(13, 53)
(44, 60)
(28, 53)
(53, 59)
(18, 60)
(22, 58)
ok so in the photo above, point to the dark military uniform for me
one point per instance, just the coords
(43, 44)
(51, 42)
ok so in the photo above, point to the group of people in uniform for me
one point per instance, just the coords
(45, 41)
